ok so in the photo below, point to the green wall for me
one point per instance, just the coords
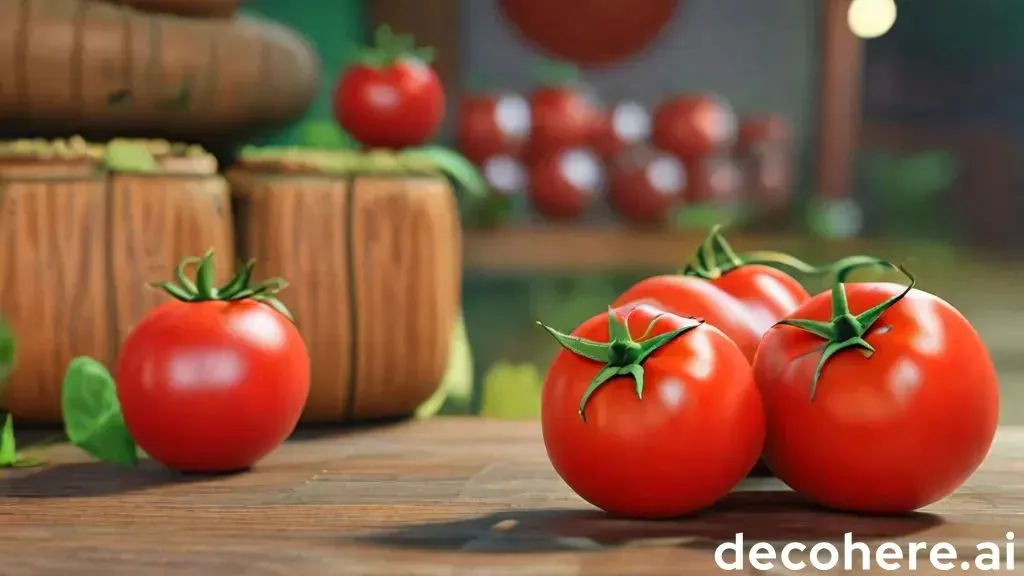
(337, 28)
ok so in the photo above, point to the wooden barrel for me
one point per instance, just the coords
(374, 265)
(78, 246)
(188, 8)
(112, 69)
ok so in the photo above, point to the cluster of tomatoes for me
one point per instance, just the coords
(870, 397)
(564, 150)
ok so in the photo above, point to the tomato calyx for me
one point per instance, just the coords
(238, 288)
(715, 258)
(621, 355)
(846, 331)
(389, 48)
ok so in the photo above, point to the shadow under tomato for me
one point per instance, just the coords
(769, 516)
(317, 430)
(87, 479)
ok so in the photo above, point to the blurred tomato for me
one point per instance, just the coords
(504, 174)
(565, 184)
(492, 124)
(766, 150)
(644, 185)
(713, 180)
(626, 125)
(562, 118)
(694, 126)
(758, 131)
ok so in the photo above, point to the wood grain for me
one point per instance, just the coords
(444, 496)
(54, 285)
(99, 66)
(77, 255)
(380, 281)
(156, 221)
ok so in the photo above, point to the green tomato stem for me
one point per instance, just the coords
(620, 356)
(715, 258)
(203, 288)
(389, 48)
(845, 330)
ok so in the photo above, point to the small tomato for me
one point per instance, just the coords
(649, 415)
(880, 398)
(214, 380)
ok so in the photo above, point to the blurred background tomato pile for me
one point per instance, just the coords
(557, 153)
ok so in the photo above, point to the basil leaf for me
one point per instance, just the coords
(8, 350)
(92, 414)
(8, 449)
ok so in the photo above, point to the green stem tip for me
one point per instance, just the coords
(202, 289)
(715, 257)
(846, 330)
(389, 48)
(621, 355)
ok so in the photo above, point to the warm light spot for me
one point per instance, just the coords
(871, 18)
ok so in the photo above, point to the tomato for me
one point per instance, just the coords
(492, 125)
(643, 187)
(562, 118)
(665, 442)
(693, 126)
(564, 185)
(713, 180)
(768, 293)
(690, 296)
(625, 127)
(756, 131)
(390, 101)
(888, 431)
(212, 385)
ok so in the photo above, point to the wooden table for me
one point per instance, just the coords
(440, 497)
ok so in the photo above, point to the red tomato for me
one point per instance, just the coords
(713, 181)
(212, 386)
(693, 126)
(756, 131)
(492, 125)
(692, 435)
(643, 187)
(689, 296)
(399, 105)
(889, 433)
(768, 293)
(564, 186)
(625, 127)
(561, 118)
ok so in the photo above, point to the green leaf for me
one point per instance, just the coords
(8, 447)
(8, 352)
(92, 414)
(451, 164)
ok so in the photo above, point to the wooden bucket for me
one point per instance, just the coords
(374, 265)
(79, 244)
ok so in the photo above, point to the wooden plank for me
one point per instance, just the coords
(567, 249)
(420, 498)
(839, 100)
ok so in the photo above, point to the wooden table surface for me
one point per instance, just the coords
(439, 497)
